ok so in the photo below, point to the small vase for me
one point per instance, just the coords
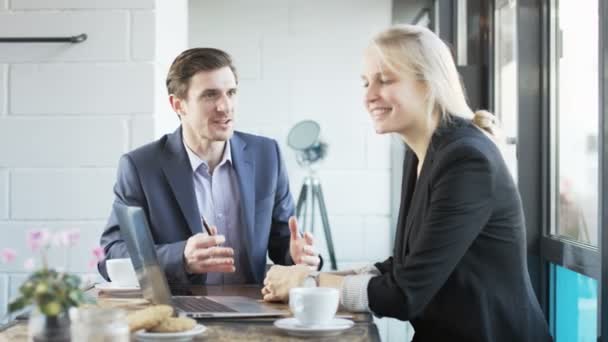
(42, 328)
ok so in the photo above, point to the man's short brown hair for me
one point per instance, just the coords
(192, 61)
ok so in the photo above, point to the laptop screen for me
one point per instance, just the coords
(135, 232)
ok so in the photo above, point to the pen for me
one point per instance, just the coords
(207, 228)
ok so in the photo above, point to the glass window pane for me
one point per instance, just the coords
(505, 62)
(574, 52)
(575, 306)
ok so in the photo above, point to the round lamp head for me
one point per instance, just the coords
(303, 135)
(305, 138)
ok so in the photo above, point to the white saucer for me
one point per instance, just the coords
(109, 287)
(143, 335)
(293, 327)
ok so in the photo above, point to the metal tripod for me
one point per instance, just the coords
(313, 184)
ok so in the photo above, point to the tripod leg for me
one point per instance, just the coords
(312, 211)
(302, 203)
(316, 188)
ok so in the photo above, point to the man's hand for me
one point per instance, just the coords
(280, 279)
(302, 248)
(202, 254)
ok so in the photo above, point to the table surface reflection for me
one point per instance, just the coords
(221, 329)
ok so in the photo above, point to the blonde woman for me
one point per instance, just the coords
(458, 272)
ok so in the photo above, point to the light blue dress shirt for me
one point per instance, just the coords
(218, 199)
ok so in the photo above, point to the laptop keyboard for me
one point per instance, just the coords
(199, 304)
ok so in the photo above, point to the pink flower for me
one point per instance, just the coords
(29, 264)
(8, 255)
(71, 237)
(66, 238)
(99, 254)
(37, 239)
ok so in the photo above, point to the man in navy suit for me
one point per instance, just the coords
(236, 182)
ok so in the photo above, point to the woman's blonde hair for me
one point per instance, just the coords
(416, 50)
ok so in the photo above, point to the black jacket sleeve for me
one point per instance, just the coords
(459, 205)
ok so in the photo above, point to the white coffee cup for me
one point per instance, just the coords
(314, 305)
(121, 272)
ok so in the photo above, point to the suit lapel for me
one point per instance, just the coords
(418, 199)
(408, 180)
(245, 172)
(178, 172)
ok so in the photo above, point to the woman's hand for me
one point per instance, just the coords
(280, 279)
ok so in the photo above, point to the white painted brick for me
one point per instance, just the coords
(81, 88)
(346, 146)
(338, 17)
(3, 194)
(245, 52)
(3, 296)
(61, 142)
(80, 4)
(262, 103)
(377, 237)
(238, 17)
(350, 192)
(69, 194)
(313, 58)
(3, 88)
(15, 281)
(106, 31)
(74, 259)
(142, 35)
(378, 149)
(328, 101)
(347, 236)
(142, 131)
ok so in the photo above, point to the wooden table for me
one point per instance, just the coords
(242, 329)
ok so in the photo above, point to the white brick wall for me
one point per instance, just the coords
(3, 88)
(61, 141)
(81, 4)
(67, 113)
(142, 28)
(64, 194)
(3, 294)
(4, 194)
(107, 36)
(81, 88)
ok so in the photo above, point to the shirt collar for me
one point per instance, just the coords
(196, 161)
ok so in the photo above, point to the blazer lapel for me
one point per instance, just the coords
(408, 180)
(417, 199)
(245, 172)
(178, 171)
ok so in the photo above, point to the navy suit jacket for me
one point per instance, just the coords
(158, 178)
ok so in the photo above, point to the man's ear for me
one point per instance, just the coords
(177, 104)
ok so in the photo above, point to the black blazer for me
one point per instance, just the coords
(459, 272)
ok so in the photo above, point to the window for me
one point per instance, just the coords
(574, 116)
(505, 66)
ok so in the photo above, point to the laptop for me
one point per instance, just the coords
(135, 232)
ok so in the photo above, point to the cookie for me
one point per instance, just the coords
(148, 317)
(174, 324)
